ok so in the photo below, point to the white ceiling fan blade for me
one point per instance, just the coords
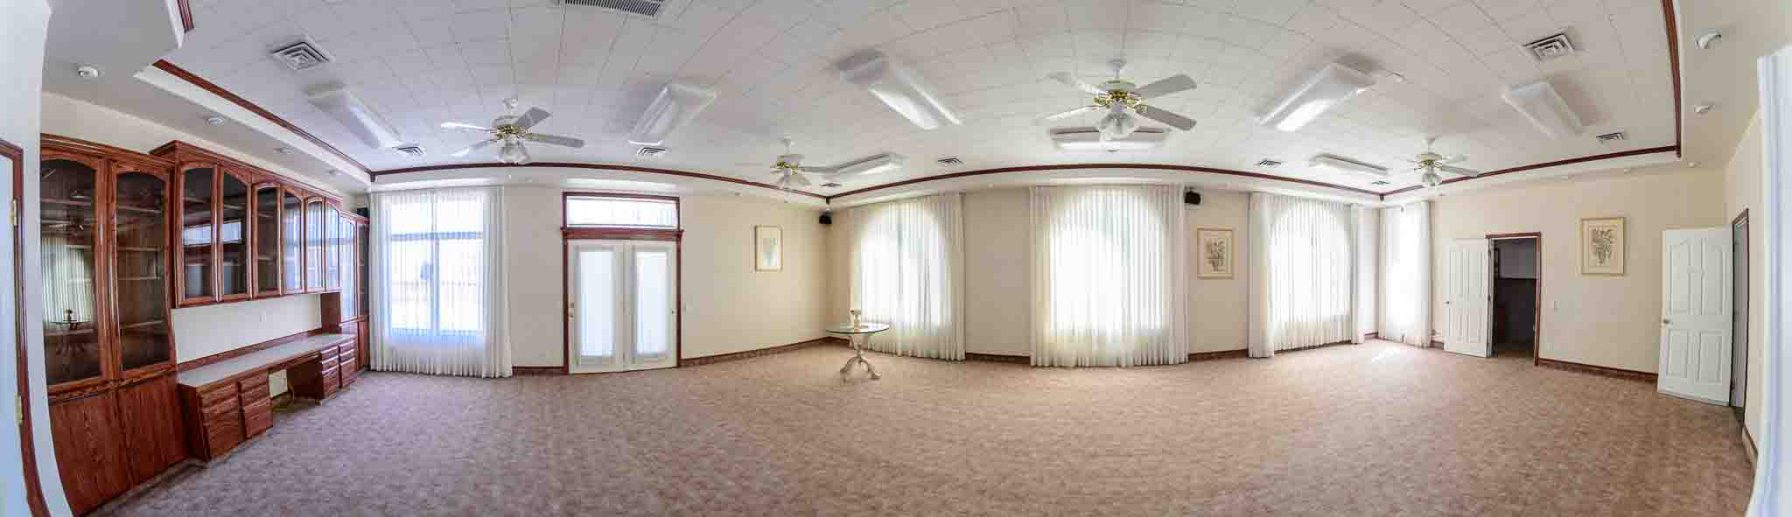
(555, 140)
(463, 125)
(530, 118)
(1070, 80)
(800, 180)
(1167, 117)
(1166, 86)
(475, 147)
(1456, 158)
(1068, 114)
(1459, 171)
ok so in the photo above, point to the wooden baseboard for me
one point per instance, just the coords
(1436, 344)
(736, 356)
(1372, 335)
(1214, 356)
(239, 352)
(998, 358)
(537, 370)
(1606, 371)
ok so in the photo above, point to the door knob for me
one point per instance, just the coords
(1664, 321)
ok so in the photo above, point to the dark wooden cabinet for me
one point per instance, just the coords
(150, 414)
(89, 449)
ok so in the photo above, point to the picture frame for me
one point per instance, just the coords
(1603, 246)
(1215, 252)
(768, 248)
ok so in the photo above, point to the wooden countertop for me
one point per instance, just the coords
(259, 360)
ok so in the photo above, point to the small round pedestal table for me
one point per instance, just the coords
(857, 335)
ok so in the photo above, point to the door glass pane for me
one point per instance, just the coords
(345, 243)
(68, 223)
(314, 245)
(596, 306)
(196, 235)
(292, 244)
(267, 240)
(333, 264)
(233, 198)
(361, 266)
(142, 238)
(653, 303)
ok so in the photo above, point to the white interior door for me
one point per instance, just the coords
(621, 310)
(1468, 290)
(1695, 314)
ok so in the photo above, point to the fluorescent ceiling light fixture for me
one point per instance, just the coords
(1540, 103)
(676, 105)
(1342, 164)
(342, 105)
(1090, 139)
(1332, 85)
(886, 162)
(898, 87)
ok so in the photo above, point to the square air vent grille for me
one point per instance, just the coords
(950, 161)
(414, 151)
(648, 151)
(830, 185)
(1268, 163)
(1611, 137)
(648, 8)
(1552, 47)
(301, 56)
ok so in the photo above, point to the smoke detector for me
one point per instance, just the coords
(302, 55)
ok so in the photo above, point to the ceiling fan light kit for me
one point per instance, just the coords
(1124, 102)
(897, 87)
(1090, 139)
(1330, 86)
(1545, 108)
(1341, 164)
(511, 131)
(354, 115)
(677, 104)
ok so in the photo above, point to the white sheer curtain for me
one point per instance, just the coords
(1406, 274)
(436, 283)
(1109, 276)
(1303, 287)
(906, 271)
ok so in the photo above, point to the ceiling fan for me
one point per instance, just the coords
(792, 173)
(512, 131)
(1431, 164)
(1122, 100)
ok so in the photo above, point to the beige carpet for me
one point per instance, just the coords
(1376, 429)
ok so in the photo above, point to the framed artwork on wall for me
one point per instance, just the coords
(1215, 248)
(768, 248)
(1602, 246)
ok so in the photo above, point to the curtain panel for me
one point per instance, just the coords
(907, 269)
(1303, 285)
(1109, 275)
(1406, 274)
(436, 281)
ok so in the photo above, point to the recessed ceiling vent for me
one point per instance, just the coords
(1611, 137)
(1268, 163)
(830, 185)
(1551, 47)
(301, 56)
(648, 151)
(411, 150)
(950, 161)
(648, 8)
(1379, 182)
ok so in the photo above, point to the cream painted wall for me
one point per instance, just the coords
(198, 331)
(1219, 308)
(1742, 191)
(728, 307)
(1368, 269)
(1606, 321)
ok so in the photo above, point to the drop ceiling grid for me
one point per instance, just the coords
(420, 62)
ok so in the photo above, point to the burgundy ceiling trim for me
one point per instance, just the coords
(209, 86)
(1607, 156)
(1147, 166)
(592, 166)
(186, 16)
(1673, 29)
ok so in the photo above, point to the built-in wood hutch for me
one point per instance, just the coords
(127, 237)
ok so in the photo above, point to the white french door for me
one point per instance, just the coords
(1695, 314)
(622, 308)
(1467, 288)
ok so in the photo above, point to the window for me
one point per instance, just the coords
(1307, 270)
(905, 273)
(1108, 276)
(617, 210)
(436, 261)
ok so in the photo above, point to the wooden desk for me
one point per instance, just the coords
(227, 402)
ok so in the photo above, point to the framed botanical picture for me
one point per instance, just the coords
(768, 248)
(1602, 246)
(1214, 246)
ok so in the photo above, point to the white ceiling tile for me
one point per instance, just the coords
(488, 52)
(1463, 18)
(1515, 66)
(480, 25)
(1530, 26)
(1097, 14)
(1500, 10)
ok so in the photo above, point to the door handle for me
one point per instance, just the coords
(1665, 321)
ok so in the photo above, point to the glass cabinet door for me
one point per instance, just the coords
(69, 226)
(292, 243)
(139, 280)
(233, 242)
(314, 245)
(345, 245)
(266, 236)
(197, 233)
(333, 249)
(361, 240)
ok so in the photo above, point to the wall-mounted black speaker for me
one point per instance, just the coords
(827, 218)
(1191, 197)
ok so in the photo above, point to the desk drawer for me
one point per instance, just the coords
(222, 435)
(212, 395)
(258, 417)
(219, 408)
(253, 389)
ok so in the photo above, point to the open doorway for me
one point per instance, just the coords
(1739, 313)
(1515, 294)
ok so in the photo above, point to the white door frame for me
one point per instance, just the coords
(1468, 314)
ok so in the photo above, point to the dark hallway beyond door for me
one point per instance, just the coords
(1515, 297)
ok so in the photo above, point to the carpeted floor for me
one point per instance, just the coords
(1375, 429)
